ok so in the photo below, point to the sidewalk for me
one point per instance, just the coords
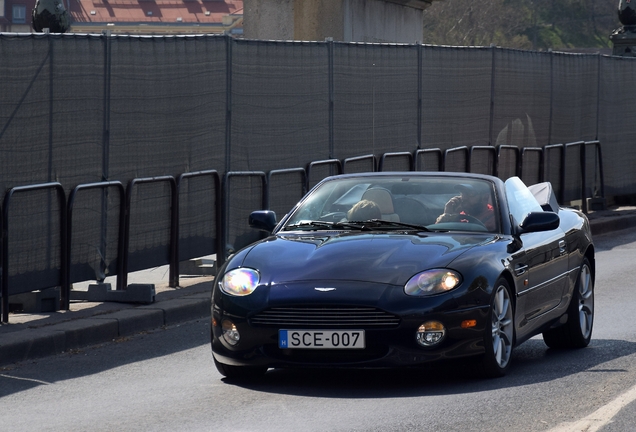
(35, 335)
(31, 336)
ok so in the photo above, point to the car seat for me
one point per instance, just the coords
(383, 198)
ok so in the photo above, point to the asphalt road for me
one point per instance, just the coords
(165, 380)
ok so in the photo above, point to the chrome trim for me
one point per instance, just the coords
(562, 275)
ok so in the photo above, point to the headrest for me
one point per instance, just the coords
(382, 197)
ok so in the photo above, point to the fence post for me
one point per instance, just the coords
(583, 175)
(228, 101)
(420, 89)
(598, 94)
(331, 95)
(106, 34)
(493, 47)
(551, 53)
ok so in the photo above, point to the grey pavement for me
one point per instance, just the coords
(29, 336)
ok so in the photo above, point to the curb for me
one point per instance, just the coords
(33, 343)
(613, 223)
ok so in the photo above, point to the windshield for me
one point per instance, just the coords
(398, 203)
(520, 200)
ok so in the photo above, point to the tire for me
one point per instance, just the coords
(577, 331)
(241, 373)
(499, 337)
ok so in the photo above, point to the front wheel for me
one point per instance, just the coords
(577, 331)
(499, 336)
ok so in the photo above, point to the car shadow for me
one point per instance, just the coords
(532, 363)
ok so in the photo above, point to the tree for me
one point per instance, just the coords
(524, 24)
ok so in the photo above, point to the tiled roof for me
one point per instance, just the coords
(155, 12)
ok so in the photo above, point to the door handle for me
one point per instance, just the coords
(521, 269)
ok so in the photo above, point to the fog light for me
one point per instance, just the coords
(230, 333)
(430, 333)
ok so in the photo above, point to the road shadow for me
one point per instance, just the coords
(94, 359)
(614, 239)
(532, 363)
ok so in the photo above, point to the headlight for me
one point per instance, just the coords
(240, 282)
(432, 282)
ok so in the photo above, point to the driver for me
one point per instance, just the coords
(472, 201)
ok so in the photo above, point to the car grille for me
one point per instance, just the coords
(325, 317)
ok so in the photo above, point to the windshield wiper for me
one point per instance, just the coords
(367, 225)
(316, 225)
(381, 223)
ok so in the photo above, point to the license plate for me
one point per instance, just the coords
(321, 339)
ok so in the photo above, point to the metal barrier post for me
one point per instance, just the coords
(408, 155)
(436, 151)
(217, 209)
(122, 214)
(358, 159)
(64, 300)
(597, 147)
(334, 163)
(546, 152)
(462, 149)
(487, 149)
(539, 168)
(300, 171)
(226, 204)
(172, 277)
(515, 150)
(581, 161)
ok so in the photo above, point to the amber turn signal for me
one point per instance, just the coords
(469, 323)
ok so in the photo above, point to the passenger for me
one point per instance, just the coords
(364, 210)
(473, 202)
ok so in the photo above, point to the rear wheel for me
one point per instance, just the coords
(240, 372)
(499, 336)
(577, 331)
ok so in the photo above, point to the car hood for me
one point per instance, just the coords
(389, 258)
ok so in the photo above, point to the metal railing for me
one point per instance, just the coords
(541, 164)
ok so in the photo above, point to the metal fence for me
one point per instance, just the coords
(120, 153)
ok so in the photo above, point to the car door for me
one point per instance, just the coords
(542, 270)
(539, 264)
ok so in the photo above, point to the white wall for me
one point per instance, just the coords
(268, 19)
(381, 21)
(343, 20)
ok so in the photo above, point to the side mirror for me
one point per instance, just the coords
(264, 220)
(539, 221)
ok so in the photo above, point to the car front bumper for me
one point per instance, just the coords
(385, 347)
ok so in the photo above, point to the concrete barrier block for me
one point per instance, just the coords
(103, 292)
(39, 301)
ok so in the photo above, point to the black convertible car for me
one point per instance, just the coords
(401, 269)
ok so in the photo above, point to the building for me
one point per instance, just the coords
(15, 15)
(135, 16)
